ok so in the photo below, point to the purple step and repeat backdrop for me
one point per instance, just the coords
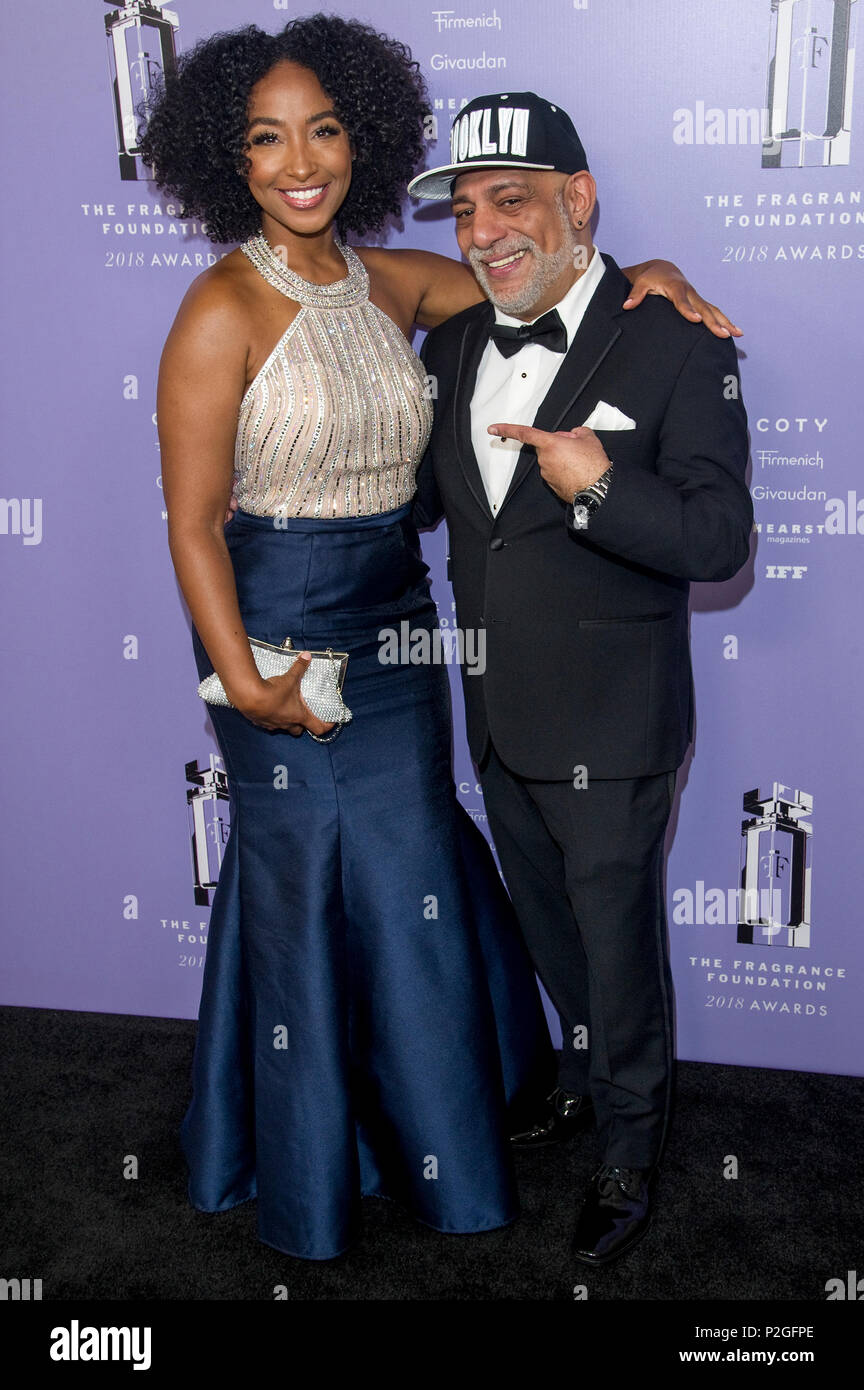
(727, 135)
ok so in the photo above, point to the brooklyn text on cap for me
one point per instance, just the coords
(505, 130)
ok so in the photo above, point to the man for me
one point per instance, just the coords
(590, 463)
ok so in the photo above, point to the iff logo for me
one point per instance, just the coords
(785, 571)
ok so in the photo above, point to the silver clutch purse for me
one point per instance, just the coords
(321, 687)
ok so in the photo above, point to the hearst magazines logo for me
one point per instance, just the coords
(838, 516)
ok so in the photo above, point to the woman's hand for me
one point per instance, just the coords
(279, 706)
(233, 503)
(662, 277)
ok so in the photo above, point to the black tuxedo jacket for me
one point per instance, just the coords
(587, 641)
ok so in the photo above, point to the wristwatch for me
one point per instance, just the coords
(586, 502)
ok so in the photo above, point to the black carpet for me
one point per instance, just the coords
(84, 1091)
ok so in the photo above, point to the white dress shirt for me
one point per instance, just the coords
(509, 390)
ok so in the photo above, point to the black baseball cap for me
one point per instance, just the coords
(511, 130)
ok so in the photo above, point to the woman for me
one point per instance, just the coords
(368, 1012)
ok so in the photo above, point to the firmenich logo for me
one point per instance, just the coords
(76, 1343)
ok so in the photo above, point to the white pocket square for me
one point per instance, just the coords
(608, 417)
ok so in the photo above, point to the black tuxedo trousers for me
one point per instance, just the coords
(584, 867)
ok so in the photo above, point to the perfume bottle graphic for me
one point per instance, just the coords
(810, 71)
(774, 902)
(209, 827)
(140, 50)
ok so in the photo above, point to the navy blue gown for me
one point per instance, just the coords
(368, 1008)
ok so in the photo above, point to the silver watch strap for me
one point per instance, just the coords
(599, 488)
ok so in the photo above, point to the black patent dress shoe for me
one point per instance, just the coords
(563, 1116)
(616, 1213)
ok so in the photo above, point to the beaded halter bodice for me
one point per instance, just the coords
(337, 419)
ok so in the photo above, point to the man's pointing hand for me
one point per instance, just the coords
(569, 460)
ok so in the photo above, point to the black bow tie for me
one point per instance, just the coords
(548, 331)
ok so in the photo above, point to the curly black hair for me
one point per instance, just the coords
(196, 132)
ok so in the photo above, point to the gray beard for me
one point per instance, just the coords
(546, 267)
